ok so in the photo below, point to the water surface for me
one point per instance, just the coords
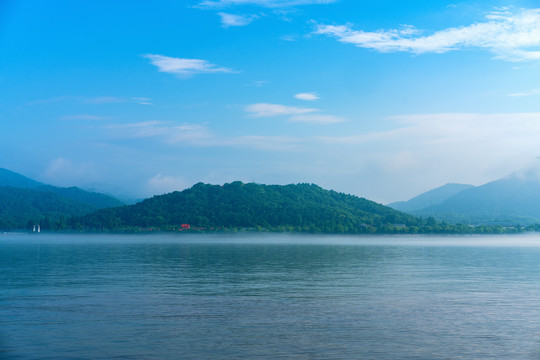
(273, 296)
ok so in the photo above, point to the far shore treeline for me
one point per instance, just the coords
(237, 206)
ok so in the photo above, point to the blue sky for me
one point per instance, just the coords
(382, 99)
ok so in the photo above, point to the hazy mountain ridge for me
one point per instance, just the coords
(294, 207)
(430, 198)
(24, 200)
(514, 199)
(13, 179)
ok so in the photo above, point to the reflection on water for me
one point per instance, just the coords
(277, 296)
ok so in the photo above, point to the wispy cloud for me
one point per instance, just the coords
(433, 149)
(278, 7)
(199, 135)
(317, 118)
(295, 114)
(266, 143)
(87, 117)
(525, 93)
(509, 35)
(167, 131)
(161, 184)
(262, 3)
(63, 171)
(116, 100)
(290, 38)
(185, 67)
(453, 129)
(104, 100)
(228, 20)
(52, 100)
(258, 83)
(269, 110)
(309, 96)
(441, 141)
(93, 100)
(142, 100)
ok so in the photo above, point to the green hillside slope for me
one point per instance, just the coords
(21, 208)
(93, 199)
(13, 179)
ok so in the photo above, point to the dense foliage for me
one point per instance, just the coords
(302, 207)
(93, 199)
(23, 208)
(231, 207)
(25, 202)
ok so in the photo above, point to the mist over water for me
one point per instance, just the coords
(272, 296)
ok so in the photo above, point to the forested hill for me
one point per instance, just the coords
(91, 199)
(302, 207)
(25, 202)
(48, 206)
(13, 179)
(22, 208)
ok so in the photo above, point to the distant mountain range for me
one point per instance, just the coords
(430, 198)
(24, 201)
(296, 207)
(514, 199)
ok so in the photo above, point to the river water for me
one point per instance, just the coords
(251, 296)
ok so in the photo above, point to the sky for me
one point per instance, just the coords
(380, 99)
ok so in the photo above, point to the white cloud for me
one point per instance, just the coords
(452, 144)
(526, 93)
(161, 184)
(168, 132)
(310, 96)
(492, 130)
(510, 36)
(104, 100)
(266, 143)
(64, 172)
(258, 83)
(184, 67)
(269, 110)
(85, 117)
(317, 118)
(263, 3)
(235, 20)
(290, 38)
(199, 135)
(116, 100)
(429, 150)
(96, 100)
(472, 129)
(296, 114)
(142, 100)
